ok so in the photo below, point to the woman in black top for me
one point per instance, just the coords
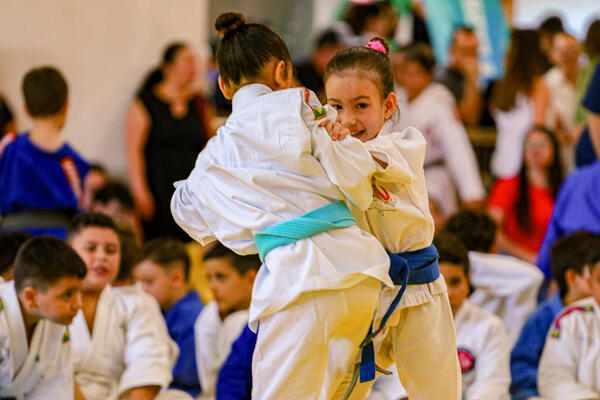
(167, 126)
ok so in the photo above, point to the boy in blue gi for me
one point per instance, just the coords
(41, 176)
(163, 273)
(569, 256)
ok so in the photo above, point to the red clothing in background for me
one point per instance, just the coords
(504, 196)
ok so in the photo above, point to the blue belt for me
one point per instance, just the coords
(408, 268)
(331, 216)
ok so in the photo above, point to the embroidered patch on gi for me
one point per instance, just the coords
(466, 360)
(319, 112)
(70, 170)
(381, 193)
(1, 305)
(66, 336)
(556, 326)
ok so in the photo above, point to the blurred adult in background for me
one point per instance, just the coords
(548, 28)
(519, 101)
(522, 205)
(7, 121)
(591, 48)
(429, 106)
(309, 71)
(364, 20)
(461, 76)
(561, 81)
(167, 125)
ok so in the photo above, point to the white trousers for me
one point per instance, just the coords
(307, 350)
(421, 341)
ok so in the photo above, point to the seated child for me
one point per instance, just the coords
(9, 246)
(570, 363)
(94, 180)
(121, 346)
(274, 168)
(502, 284)
(231, 278)
(35, 352)
(41, 176)
(481, 339)
(114, 200)
(163, 272)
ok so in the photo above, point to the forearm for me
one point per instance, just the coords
(470, 105)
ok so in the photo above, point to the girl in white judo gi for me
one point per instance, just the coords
(121, 347)
(570, 364)
(35, 307)
(272, 181)
(419, 335)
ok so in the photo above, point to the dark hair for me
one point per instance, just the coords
(156, 75)
(524, 64)
(419, 53)
(45, 91)
(9, 246)
(475, 229)
(593, 259)
(166, 252)
(367, 59)
(591, 44)
(358, 14)
(114, 191)
(131, 254)
(245, 49)
(571, 252)
(241, 264)
(87, 220)
(452, 250)
(328, 37)
(97, 167)
(555, 178)
(43, 261)
(552, 24)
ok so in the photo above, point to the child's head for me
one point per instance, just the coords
(231, 277)
(45, 92)
(164, 270)
(594, 267)
(131, 254)
(250, 53)
(94, 180)
(96, 239)
(475, 229)
(568, 258)
(9, 246)
(115, 200)
(414, 68)
(48, 277)
(360, 85)
(454, 266)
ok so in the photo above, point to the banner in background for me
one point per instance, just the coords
(486, 17)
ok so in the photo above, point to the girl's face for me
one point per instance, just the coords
(183, 67)
(538, 151)
(359, 103)
(100, 249)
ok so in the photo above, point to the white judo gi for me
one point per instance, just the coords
(570, 364)
(41, 369)
(129, 346)
(506, 286)
(450, 160)
(269, 164)
(213, 338)
(484, 353)
(419, 335)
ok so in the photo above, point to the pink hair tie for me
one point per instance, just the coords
(377, 46)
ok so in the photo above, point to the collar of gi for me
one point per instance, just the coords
(247, 93)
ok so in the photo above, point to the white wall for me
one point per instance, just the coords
(576, 14)
(104, 48)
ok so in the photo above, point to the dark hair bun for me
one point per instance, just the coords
(229, 22)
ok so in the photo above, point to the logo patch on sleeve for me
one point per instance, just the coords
(66, 336)
(466, 359)
(555, 333)
(319, 112)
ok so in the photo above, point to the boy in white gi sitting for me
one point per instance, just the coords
(219, 324)
(35, 352)
(502, 284)
(570, 364)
